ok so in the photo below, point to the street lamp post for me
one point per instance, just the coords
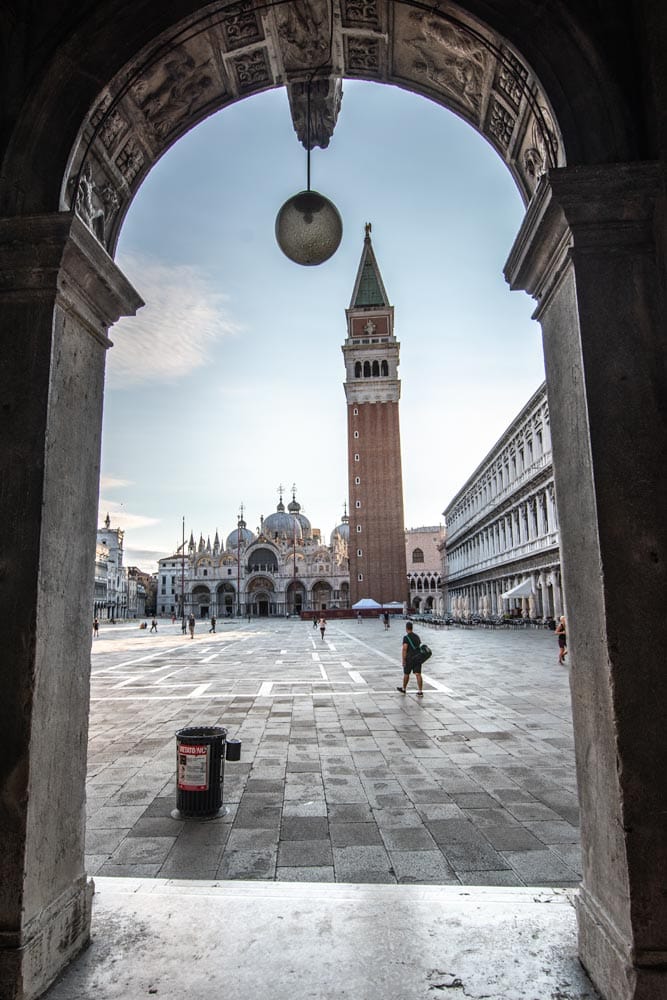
(183, 629)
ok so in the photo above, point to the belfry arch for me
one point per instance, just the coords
(97, 100)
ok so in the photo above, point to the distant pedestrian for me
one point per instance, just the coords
(314, 621)
(386, 620)
(173, 618)
(212, 628)
(154, 625)
(184, 627)
(561, 633)
(323, 626)
(191, 626)
(96, 627)
(359, 617)
(411, 659)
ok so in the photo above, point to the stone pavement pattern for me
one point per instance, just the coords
(341, 777)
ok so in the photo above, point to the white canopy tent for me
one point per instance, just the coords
(523, 589)
(365, 602)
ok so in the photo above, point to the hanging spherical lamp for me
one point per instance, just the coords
(309, 228)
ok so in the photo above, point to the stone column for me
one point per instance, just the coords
(586, 251)
(59, 292)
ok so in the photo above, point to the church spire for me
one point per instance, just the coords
(369, 291)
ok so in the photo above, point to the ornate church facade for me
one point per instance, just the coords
(283, 568)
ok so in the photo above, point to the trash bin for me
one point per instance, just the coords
(233, 750)
(200, 770)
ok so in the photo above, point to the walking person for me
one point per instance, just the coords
(154, 625)
(314, 621)
(386, 620)
(96, 628)
(561, 633)
(411, 658)
(213, 620)
(184, 627)
(191, 626)
(322, 626)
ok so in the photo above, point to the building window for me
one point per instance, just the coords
(356, 458)
(205, 572)
(367, 368)
(417, 556)
(355, 412)
(229, 572)
(357, 480)
(164, 580)
(172, 609)
(357, 370)
(356, 434)
(385, 368)
(358, 529)
(360, 577)
(173, 580)
(164, 590)
(376, 369)
(357, 504)
(360, 553)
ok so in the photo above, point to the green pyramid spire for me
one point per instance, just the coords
(369, 291)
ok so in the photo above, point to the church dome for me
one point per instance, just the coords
(341, 531)
(294, 507)
(282, 524)
(246, 536)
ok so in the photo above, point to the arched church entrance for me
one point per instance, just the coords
(86, 117)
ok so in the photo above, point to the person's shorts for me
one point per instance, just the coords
(412, 668)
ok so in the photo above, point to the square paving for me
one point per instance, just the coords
(341, 777)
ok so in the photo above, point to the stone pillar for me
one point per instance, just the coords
(587, 252)
(59, 292)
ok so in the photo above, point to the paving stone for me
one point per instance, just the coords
(472, 857)
(454, 831)
(312, 807)
(115, 817)
(130, 871)
(154, 826)
(539, 867)
(244, 839)
(349, 860)
(423, 867)
(305, 874)
(350, 834)
(350, 812)
(257, 814)
(247, 865)
(143, 850)
(304, 828)
(512, 838)
(408, 839)
(104, 841)
(554, 832)
(304, 852)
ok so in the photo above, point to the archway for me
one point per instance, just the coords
(587, 252)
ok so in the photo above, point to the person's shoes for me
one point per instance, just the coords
(402, 690)
(420, 694)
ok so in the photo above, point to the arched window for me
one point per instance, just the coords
(376, 369)
(384, 368)
(417, 556)
(367, 369)
(357, 370)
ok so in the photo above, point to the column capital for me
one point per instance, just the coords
(44, 256)
(578, 210)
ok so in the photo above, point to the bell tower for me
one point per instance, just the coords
(372, 389)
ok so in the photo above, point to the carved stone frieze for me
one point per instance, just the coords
(241, 26)
(500, 124)
(360, 14)
(252, 70)
(303, 32)
(362, 56)
(511, 78)
(541, 150)
(325, 100)
(130, 160)
(174, 90)
(95, 203)
(443, 56)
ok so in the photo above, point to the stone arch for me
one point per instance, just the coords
(546, 92)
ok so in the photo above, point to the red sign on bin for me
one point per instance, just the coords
(192, 768)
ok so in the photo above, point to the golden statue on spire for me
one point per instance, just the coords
(367, 230)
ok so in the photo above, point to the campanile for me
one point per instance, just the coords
(372, 389)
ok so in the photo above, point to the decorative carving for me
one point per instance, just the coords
(358, 13)
(241, 26)
(130, 160)
(112, 128)
(500, 124)
(303, 29)
(511, 78)
(252, 70)
(95, 207)
(362, 55)
(449, 58)
(175, 90)
(325, 100)
(542, 153)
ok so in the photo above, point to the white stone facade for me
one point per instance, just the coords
(502, 527)
(423, 558)
(284, 569)
(111, 582)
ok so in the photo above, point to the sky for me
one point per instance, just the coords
(229, 381)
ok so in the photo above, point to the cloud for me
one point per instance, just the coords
(174, 332)
(145, 559)
(113, 483)
(121, 518)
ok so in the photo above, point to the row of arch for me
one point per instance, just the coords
(371, 369)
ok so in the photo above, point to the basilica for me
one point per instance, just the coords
(283, 568)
